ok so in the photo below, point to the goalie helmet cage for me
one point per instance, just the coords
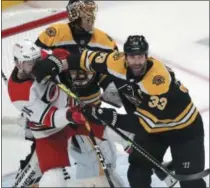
(15, 27)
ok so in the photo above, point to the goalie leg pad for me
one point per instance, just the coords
(29, 173)
(112, 137)
(88, 164)
(57, 177)
(111, 96)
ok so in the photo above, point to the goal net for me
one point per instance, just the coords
(17, 26)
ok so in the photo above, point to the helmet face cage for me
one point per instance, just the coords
(82, 9)
(136, 45)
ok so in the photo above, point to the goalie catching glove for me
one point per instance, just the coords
(99, 115)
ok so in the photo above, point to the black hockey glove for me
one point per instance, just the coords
(97, 115)
(47, 68)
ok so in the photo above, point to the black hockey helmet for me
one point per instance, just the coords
(136, 45)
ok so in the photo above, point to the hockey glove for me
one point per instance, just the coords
(75, 117)
(47, 68)
(97, 115)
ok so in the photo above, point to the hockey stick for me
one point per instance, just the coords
(141, 150)
(157, 163)
(91, 133)
(169, 181)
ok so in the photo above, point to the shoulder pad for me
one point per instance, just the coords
(116, 64)
(103, 38)
(53, 33)
(157, 80)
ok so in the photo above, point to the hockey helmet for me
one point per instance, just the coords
(81, 9)
(136, 45)
(26, 51)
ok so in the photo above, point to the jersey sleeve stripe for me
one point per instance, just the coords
(150, 129)
(47, 116)
(154, 119)
(101, 79)
(83, 60)
(89, 59)
(172, 124)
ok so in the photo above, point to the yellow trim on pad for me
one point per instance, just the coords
(7, 3)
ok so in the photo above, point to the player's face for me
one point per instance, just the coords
(27, 67)
(136, 63)
(87, 23)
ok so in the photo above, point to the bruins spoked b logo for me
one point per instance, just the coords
(50, 31)
(157, 80)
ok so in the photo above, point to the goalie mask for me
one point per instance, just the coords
(83, 12)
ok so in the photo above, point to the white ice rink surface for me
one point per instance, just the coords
(174, 31)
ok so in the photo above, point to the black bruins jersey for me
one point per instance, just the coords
(161, 102)
(62, 35)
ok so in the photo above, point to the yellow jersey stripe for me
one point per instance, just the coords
(83, 60)
(97, 103)
(172, 124)
(156, 120)
(89, 60)
(163, 129)
(102, 78)
(91, 96)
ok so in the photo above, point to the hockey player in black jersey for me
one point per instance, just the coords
(165, 115)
